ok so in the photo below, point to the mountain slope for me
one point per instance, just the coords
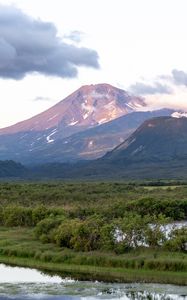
(156, 140)
(89, 144)
(95, 142)
(87, 107)
(157, 149)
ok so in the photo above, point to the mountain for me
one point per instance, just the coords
(160, 139)
(86, 108)
(94, 142)
(89, 106)
(88, 144)
(157, 149)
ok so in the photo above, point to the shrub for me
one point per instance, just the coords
(178, 240)
(17, 216)
(44, 228)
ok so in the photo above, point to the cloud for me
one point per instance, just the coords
(179, 77)
(141, 88)
(40, 98)
(75, 36)
(28, 45)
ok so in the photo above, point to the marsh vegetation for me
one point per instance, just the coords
(113, 231)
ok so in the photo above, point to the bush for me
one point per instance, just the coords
(64, 233)
(17, 216)
(178, 240)
(39, 213)
(44, 228)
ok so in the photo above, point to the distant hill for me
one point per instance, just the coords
(156, 140)
(10, 169)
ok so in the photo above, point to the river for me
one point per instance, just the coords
(23, 283)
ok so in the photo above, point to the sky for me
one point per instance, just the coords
(49, 48)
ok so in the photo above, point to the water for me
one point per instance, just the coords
(175, 225)
(22, 283)
(166, 229)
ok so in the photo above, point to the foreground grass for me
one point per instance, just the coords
(100, 273)
(19, 247)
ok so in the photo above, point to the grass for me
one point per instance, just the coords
(19, 247)
(165, 187)
(100, 273)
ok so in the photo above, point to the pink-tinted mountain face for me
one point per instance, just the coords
(89, 106)
(62, 133)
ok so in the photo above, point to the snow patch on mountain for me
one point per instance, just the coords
(111, 105)
(99, 95)
(85, 116)
(102, 121)
(88, 110)
(96, 95)
(53, 117)
(177, 114)
(133, 106)
(73, 123)
(48, 138)
(23, 136)
(90, 144)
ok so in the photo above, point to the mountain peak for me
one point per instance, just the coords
(100, 87)
(88, 106)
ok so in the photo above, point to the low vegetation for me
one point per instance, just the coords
(95, 225)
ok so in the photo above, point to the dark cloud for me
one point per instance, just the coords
(28, 45)
(141, 88)
(179, 77)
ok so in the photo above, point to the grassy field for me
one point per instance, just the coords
(19, 247)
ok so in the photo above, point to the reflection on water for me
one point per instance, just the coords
(20, 283)
(16, 274)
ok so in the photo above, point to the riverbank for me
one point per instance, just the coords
(100, 273)
(19, 247)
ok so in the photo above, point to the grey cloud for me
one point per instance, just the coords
(179, 77)
(75, 36)
(141, 88)
(28, 45)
